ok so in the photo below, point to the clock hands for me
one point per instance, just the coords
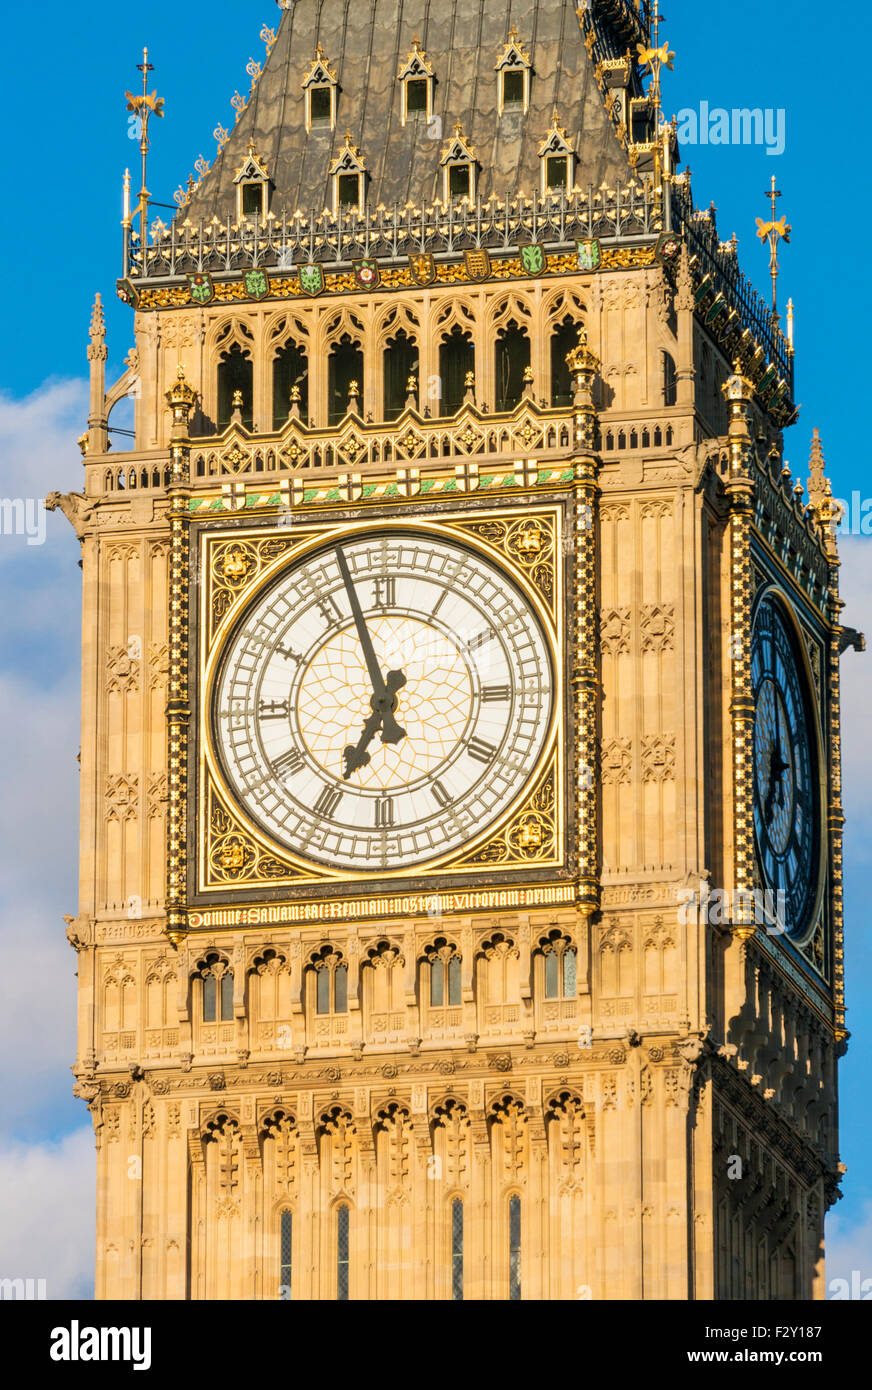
(384, 689)
(777, 766)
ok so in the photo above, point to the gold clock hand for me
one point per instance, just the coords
(384, 691)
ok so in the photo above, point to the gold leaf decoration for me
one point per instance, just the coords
(233, 856)
(233, 566)
(530, 544)
(530, 837)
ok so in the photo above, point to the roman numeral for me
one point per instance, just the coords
(480, 640)
(491, 694)
(273, 709)
(384, 812)
(288, 763)
(289, 654)
(329, 609)
(480, 750)
(384, 591)
(439, 602)
(327, 802)
(440, 794)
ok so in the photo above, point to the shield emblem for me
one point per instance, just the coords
(366, 273)
(127, 293)
(477, 264)
(311, 278)
(668, 248)
(256, 283)
(423, 267)
(200, 287)
(589, 254)
(533, 258)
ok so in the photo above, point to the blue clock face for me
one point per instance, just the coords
(787, 815)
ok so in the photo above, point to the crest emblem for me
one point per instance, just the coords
(589, 254)
(256, 283)
(366, 273)
(478, 265)
(311, 278)
(668, 248)
(423, 267)
(200, 287)
(533, 258)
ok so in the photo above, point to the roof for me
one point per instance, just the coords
(366, 44)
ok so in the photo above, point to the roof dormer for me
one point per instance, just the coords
(320, 86)
(416, 81)
(252, 186)
(458, 164)
(348, 172)
(557, 160)
(513, 69)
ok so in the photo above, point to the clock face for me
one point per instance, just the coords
(786, 785)
(384, 701)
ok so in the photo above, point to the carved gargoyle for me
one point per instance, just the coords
(75, 506)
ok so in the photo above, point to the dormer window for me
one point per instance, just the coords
(348, 172)
(252, 186)
(320, 87)
(513, 70)
(458, 168)
(557, 159)
(416, 84)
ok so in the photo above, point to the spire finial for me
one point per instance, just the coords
(774, 231)
(143, 107)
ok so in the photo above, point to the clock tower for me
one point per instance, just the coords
(460, 898)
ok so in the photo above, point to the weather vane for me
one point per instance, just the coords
(655, 59)
(144, 106)
(773, 232)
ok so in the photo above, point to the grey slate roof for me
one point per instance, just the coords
(365, 43)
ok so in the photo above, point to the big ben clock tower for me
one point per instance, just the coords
(460, 894)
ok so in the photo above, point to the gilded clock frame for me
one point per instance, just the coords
(232, 855)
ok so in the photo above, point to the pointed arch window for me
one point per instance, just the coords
(456, 362)
(513, 69)
(564, 338)
(514, 1248)
(560, 963)
(217, 995)
(290, 383)
(320, 87)
(344, 377)
(400, 366)
(235, 379)
(331, 982)
(670, 379)
(457, 1250)
(445, 974)
(343, 1253)
(286, 1234)
(512, 356)
(416, 84)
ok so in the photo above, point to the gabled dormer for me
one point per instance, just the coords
(556, 160)
(417, 80)
(513, 69)
(459, 168)
(348, 174)
(252, 186)
(321, 87)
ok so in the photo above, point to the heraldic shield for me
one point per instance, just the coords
(256, 283)
(423, 267)
(200, 287)
(533, 258)
(311, 278)
(477, 264)
(589, 254)
(366, 273)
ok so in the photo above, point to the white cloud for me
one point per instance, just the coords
(849, 1248)
(47, 1214)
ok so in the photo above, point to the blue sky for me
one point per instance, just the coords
(65, 141)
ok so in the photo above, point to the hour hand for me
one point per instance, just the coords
(355, 755)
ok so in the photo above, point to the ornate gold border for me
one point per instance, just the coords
(233, 854)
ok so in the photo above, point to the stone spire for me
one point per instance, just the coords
(97, 419)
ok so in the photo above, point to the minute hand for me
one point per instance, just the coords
(384, 699)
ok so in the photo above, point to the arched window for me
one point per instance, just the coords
(235, 374)
(456, 359)
(217, 991)
(560, 966)
(563, 340)
(670, 383)
(345, 366)
(286, 1232)
(457, 1250)
(331, 982)
(290, 370)
(444, 976)
(512, 356)
(342, 1253)
(400, 363)
(514, 1248)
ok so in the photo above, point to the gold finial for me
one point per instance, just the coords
(237, 400)
(469, 379)
(143, 107)
(528, 374)
(412, 385)
(656, 59)
(513, 34)
(295, 393)
(774, 231)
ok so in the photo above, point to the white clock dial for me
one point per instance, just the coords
(383, 701)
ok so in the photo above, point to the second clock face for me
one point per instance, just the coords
(384, 701)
